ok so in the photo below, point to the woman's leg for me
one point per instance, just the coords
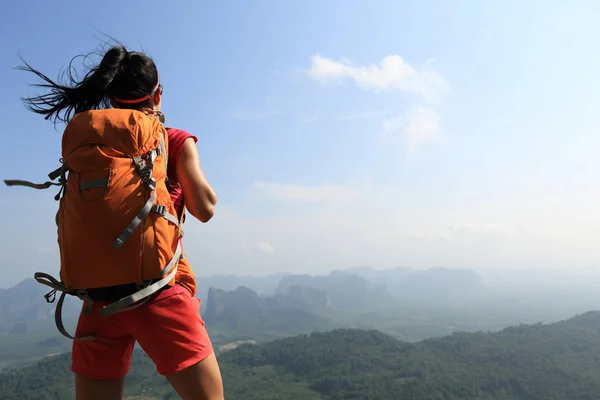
(201, 381)
(96, 389)
(172, 333)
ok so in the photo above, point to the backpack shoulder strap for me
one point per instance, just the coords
(163, 148)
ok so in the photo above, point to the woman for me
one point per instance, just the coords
(168, 327)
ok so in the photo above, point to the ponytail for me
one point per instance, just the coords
(119, 73)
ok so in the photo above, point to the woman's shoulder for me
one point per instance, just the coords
(175, 133)
(176, 139)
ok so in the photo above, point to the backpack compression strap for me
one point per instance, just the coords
(127, 303)
(145, 167)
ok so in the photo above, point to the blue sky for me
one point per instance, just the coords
(342, 133)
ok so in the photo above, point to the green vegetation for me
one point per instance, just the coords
(20, 350)
(535, 362)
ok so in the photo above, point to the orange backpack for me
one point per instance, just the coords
(116, 221)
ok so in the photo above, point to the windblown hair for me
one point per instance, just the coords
(120, 74)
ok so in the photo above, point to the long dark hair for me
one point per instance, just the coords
(121, 74)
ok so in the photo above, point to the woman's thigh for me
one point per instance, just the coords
(200, 381)
(172, 333)
(95, 389)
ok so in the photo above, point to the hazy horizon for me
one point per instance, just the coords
(517, 279)
(344, 134)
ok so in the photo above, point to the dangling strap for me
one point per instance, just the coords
(59, 173)
(50, 281)
(39, 186)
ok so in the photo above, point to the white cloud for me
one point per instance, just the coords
(319, 193)
(392, 73)
(262, 247)
(417, 126)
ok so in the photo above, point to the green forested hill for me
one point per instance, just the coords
(560, 361)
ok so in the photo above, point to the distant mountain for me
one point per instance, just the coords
(21, 304)
(419, 285)
(27, 327)
(242, 314)
(366, 288)
(535, 362)
(263, 285)
(306, 298)
(439, 282)
(378, 275)
(345, 291)
(353, 289)
(24, 305)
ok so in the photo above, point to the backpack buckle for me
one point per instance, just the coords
(50, 296)
(145, 170)
(160, 209)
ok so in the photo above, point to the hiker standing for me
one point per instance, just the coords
(126, 183)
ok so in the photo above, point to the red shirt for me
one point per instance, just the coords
(177, 137)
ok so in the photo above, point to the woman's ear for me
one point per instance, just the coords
(157, 98)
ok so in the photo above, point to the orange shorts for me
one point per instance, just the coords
(168, 328)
